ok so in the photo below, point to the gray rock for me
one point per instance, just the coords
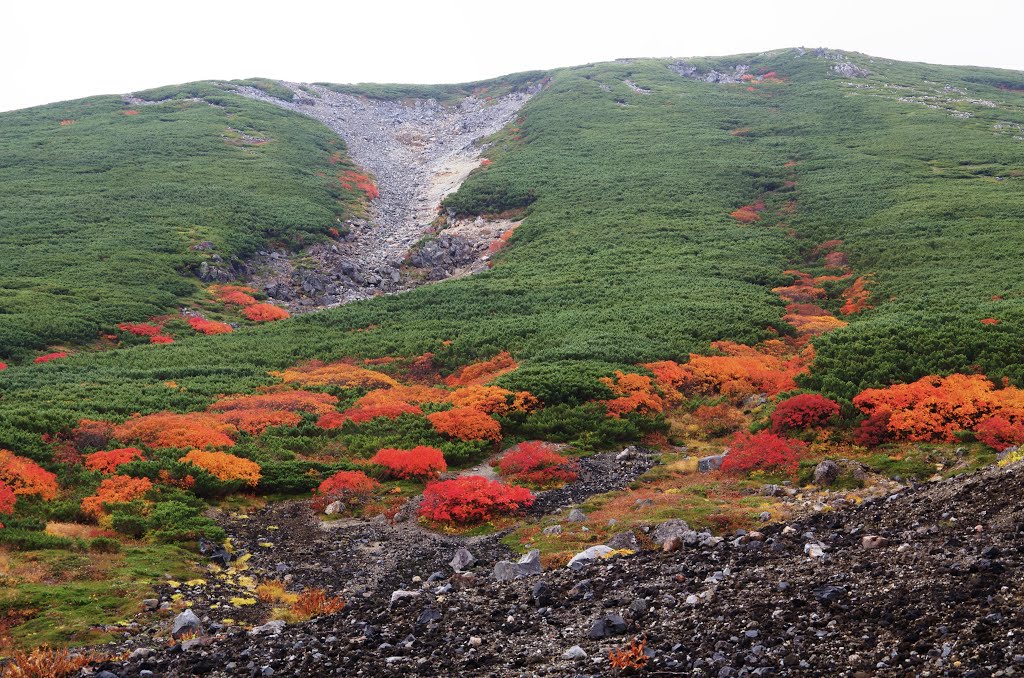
(826, 473)
(429, 614)
(712, 463)
(828, 593)
(608, 625)
(576, 516)
(529, 564)
(872, 541)
(334, 507)
(463, 560)
(848, 70)
(553, 530)
(475, 641)
(624, 540)
(672, 544)
(150, 604)
(186, 623)
(669, 528)
(575, 652)
(271, 628)
(399, 595)
(583, 558)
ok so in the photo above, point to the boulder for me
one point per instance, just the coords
(186, 623)
(527, 566)
(608, 625)
(712, 463)
(462, 560)
(576, 516)
(624, 540)
(574, 653)
(669, 528)
(872, 541)
(583, 558)
(553, 530)
(271, 628)
(826, 473)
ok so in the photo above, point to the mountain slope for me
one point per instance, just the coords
(101, 200)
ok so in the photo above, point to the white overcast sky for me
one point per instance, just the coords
(57, 50)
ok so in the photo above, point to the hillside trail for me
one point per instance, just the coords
(418, 151)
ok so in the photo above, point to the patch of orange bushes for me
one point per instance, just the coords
(141, 329)
(108, 461)
(483, 372)
(856, 297)
(184, 431)
(350, 180)
(936, 408)
(493, 399)
(204, 326)
(115, 490)
(345, 486)
(357, 415)
(341, 374)
(466, 423)
(236, 295)
(255, 413)
(633, 393)
(224, 466)
(26, 477)
(262, 313)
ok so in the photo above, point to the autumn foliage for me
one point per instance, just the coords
(483, 372)
(999, 432)
(184, 431)
(115, 490)
(255, 413)
(493, 399)
(763, 451)
(472, 499)
(51, 356)
(341, 374)
(204, 326)
(315, 602)
(856, 297)
(419, 462)
(716, 420)
(224, 466)
(108, 461)
(7, 500)
(537, 463)
(466, 423)
(803, 411)
(262, 313)
(936, 408)
(140, 329)
(357, 415)
(25, 477)
(236, 295)
(749, 214)
(634, 393)
(351, 180)
(345, 486)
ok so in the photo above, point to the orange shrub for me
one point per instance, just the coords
(856, 297)
(26, 477)
(472, 499)
(936, 408)
(745, 370)
(182, 431)
(237, 295)
(483, 372)
(715, 420)
(224, 466)
(115, 490)
(466, 423)
(315, 603)
(419, 462)
(340, 374)
(412, 395)
(204, 326)
(7, 500)
(161, 339)
(256, 421)
(140, 329)
(635, 393)
(109, 460)
(350, 179)
(262, 313)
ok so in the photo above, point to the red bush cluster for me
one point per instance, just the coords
(51, 356)
(357, 415)
(419, 462)
(999, 432)
(472, 499)
(108, 461)
(856, 297)
(237, 295)
(763, 451)
(538, 463)
(803, 411)
(749, 214)
(345, 486)
(161, 339)
(141, 329)
(7, 500)
(115, 490)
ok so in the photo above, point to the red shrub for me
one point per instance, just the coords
(51, 356)
(7, 500)
(989, 321)
(874, 430)
(161, 339)
(25, 476)
(483, 372)
(140, 329)
(358, 415)
(472, 499)
(234, 294)
(115, 490)
(354, 180)
(998, 432)
(3, 366)
(204, 326)
(283, 400)
(539, 464)
(466, 423)
(856, 297)
(763, 451)
(803, 411)
(262, 313)
(108, 461)
(346, 486)
(419, 462)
